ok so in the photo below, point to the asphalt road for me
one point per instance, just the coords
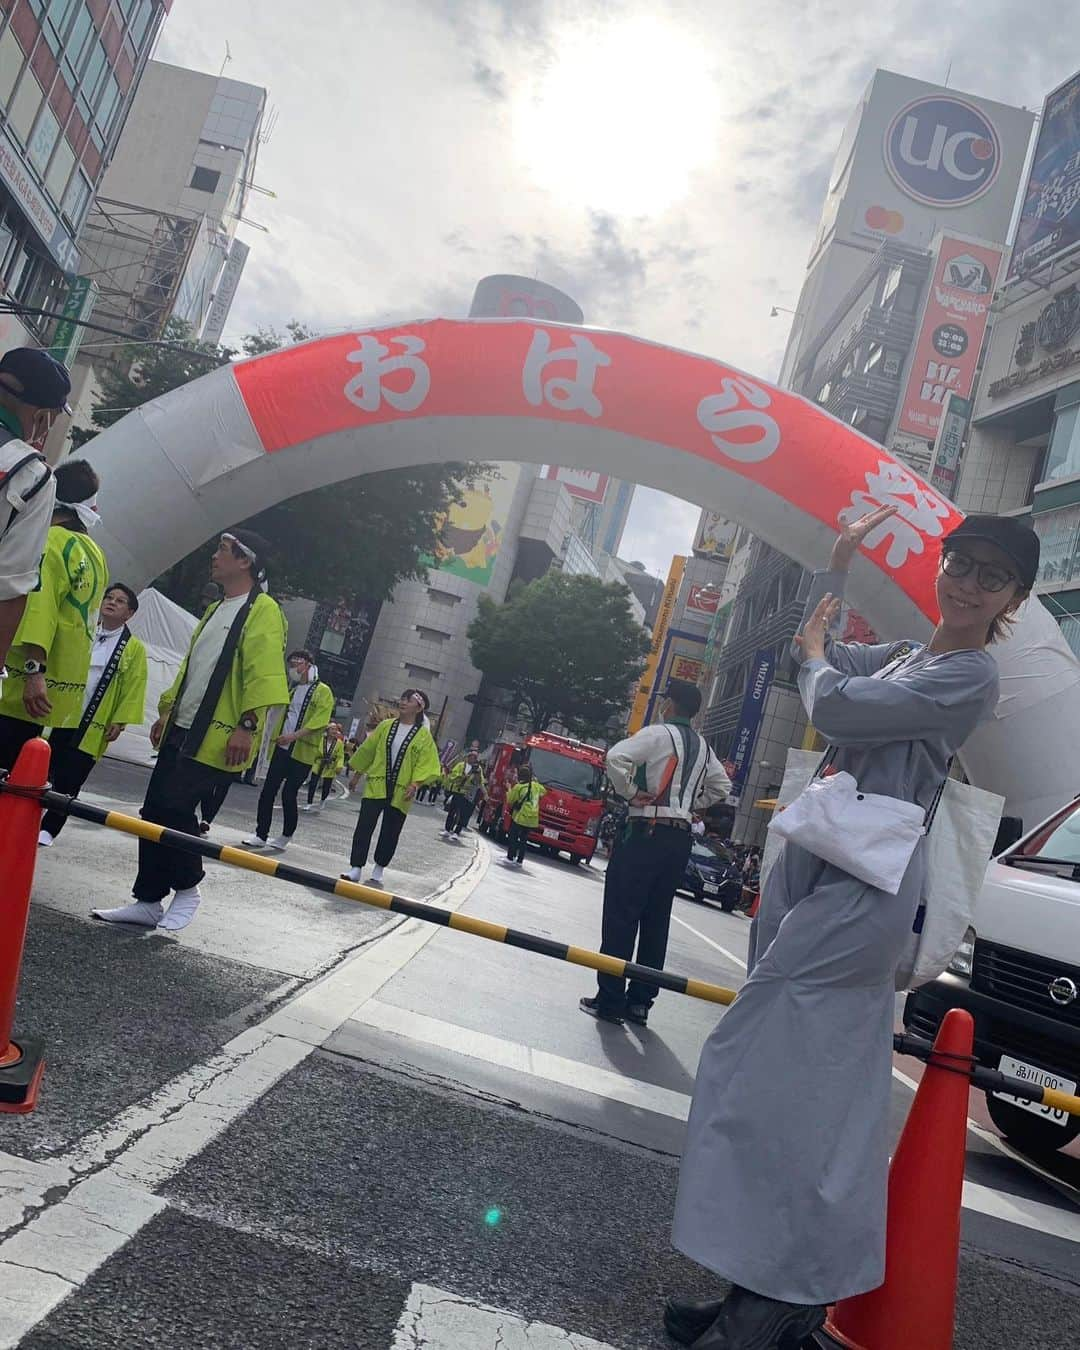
(299, 1123)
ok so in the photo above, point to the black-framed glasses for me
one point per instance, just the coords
(991, 576)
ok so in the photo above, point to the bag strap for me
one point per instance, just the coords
(831, 751)
(100, 690)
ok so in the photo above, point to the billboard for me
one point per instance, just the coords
(583, 484)
(703, 601)
(507, 297)
(225, 292)
(753, 707)
(945, 462)
(687, 668)
(1050, 217)
(715, 536)
(660, 629)
(951, 331)
(471, 532)
(913, 151)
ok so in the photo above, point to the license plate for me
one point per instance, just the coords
(711, 888)
(1016, 1068)
(551, 834)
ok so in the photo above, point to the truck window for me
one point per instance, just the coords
(1057, 841)
(576, 775)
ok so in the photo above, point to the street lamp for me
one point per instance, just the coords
(777, 310)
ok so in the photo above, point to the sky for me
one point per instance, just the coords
(665, 163)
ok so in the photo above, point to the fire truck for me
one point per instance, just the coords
(570, 810)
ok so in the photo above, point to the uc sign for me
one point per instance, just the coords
(942, 151)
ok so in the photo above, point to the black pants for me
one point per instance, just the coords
(285, 775)
(640, 884)
(371, 808)
(69, 768)
(460, 812)
(519, 834)
(313, 783)
(176, 787)
(14, 733)
(213, 800)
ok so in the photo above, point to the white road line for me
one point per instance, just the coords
(1059, 1223)
(513, 1055)
(110, 1172)
(438, 1320)
(735, 960)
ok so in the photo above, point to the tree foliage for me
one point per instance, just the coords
(566, 647)
(359, 537)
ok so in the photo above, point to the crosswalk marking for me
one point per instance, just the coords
(437, 1320)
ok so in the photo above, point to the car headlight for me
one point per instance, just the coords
(965, 955)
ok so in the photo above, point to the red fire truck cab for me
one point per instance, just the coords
(570, 810)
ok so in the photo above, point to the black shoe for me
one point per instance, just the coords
(596, 1009)
(637, 1013)
(685, 1319)
(748, 1321)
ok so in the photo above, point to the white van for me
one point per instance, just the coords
(1018, 974)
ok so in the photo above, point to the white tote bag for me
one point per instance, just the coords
(959, 844)
(866, 834)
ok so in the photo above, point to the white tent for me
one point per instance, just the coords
(165, 629)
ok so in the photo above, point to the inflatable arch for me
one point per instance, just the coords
(246, 436)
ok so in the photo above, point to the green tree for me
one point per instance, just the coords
(566, 647)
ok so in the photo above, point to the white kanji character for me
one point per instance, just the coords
(722, 413)
(375, 362)
(565, 392)
(919, 511)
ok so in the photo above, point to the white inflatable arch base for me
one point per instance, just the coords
(244, 437)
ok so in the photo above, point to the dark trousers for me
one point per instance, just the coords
(639, 886)
(371, 808)
(176, 788)
(313, 783)
(69, 768)
(460, 812)
(515, 849)
(14, 733)
(285, 775)
(213, 800)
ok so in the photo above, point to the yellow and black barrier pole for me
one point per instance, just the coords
(380, 899)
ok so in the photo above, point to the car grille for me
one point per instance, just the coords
(994, 1038)
(1024, 980)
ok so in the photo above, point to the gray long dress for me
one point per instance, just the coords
(783, 1180)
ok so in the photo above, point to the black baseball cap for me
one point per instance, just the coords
(1014, 537)
(44, 381)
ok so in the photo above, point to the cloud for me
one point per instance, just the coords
(491, 81)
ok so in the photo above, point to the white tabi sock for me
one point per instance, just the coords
(376, 874)
(145, 913)
(182, 910)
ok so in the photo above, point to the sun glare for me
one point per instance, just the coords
(621, 116)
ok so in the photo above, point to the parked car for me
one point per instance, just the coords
(1018, 974)
(711, 875)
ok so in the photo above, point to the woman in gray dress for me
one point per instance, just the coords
(783, 1181)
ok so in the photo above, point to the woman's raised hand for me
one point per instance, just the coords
(852, 534)
(811, 640)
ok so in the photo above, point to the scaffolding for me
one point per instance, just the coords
(138, 257)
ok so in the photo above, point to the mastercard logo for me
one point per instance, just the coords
(884, 221)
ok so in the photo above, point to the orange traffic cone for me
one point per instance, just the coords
(21, 1062)
(916, 1304)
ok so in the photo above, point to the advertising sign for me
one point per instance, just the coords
(471, 533)
(583, 484)
(686, 668)
(951, 331)
(340, 634)
(714, 537)
(225, 292)
(703, 600)
(942, 150)
(945, 463)
(81, 298)
(37, 210)
(660, 629)
(753, 706)
(1050, 217)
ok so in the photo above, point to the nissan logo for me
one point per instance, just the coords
(1063, 990)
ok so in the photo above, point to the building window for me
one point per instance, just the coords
(432, 634)
(874, 358)
(420, 672)
(24, 107)
(82, 35)
(63, 161)
(139, 21)
(1063, 456)
(11, 62)
(76, 200)
(443, 597)
(205, 180)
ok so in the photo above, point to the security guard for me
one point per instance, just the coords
(667, 772)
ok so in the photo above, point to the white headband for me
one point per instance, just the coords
(86, 511)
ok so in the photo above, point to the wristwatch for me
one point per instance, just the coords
(33, 667)
(248, 723)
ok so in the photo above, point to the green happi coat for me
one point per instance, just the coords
(255, 681)
(124, 701)
(420, 763)
(317, 715)
(329, 763)
(61, 618)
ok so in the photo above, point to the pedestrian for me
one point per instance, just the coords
(328, 764)
(465, 782)
(667, 773)
(523, 802)
(49, 660)
(115, 697)
(297, 736)
(33, 392)
(813, 1023)
(398, 757)
(209, 726)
